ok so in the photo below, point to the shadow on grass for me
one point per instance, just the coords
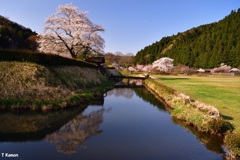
(227, 117)
(227, 126)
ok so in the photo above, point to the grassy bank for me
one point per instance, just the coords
(204, 117)
(223, 92)
(30, 86)
(219, 91)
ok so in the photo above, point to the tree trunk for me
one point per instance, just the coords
(72, 53)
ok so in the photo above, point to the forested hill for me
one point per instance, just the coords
(15, 36)
(205, 46)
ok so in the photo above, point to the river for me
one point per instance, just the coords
(128, 124)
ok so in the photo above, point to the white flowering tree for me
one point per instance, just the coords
(139, 67)
(163, 64)
(70, 32)
(222, 68)
(131, 69)
(147, 68)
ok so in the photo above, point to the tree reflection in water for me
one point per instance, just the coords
(125, 92)
(75, 132)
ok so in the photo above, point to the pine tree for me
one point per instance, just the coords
(205, 46)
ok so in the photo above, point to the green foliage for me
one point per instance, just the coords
(77, 97)
(41, 58)
(154, 51)
(206, 46)
(15, 36)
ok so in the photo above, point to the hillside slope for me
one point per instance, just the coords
(29, 85)
(205, 46)
(15, 36)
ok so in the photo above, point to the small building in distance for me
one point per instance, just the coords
(201, 70)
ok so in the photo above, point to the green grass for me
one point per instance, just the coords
(223, 92)
(204, 120)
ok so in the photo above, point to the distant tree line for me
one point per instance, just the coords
(15, 36)
(206, 46)
(119, 59)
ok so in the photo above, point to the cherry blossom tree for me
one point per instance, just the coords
(131, 69)
(147, 68)
(222, 68)
(70, 32)
(163, 64)
(139, 67)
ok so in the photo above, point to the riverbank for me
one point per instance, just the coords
(223, 92)
(220, 91)
(204, 117)
(35, 87)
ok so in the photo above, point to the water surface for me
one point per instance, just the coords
(131, 124)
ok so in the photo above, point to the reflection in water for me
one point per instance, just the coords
(136, 82)
(33, 126)
(131, 82)
(137, 127)
(125, 92)
(211, 142)
(148, 97)
(76, 131)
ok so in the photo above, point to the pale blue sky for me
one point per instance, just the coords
(130, 24)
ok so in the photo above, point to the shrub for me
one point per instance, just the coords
(181, 69)
(232, 143)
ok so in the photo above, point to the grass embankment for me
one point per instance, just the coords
(222, 92)
(37, 81)
(30, 86)
(204, 117)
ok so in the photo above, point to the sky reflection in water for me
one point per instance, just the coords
(131, 124)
